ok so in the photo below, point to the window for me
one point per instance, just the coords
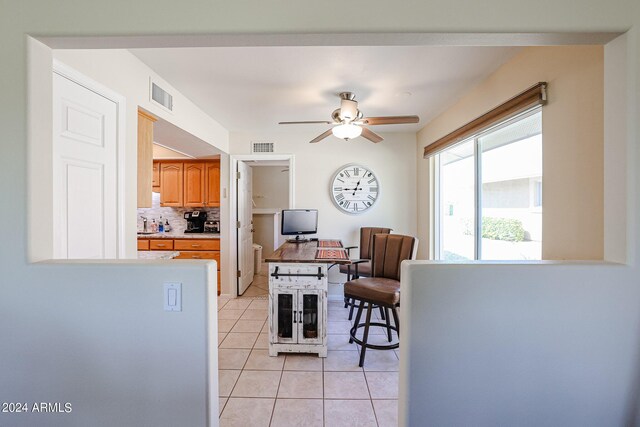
(489, 199)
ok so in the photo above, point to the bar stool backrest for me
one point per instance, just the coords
(389, 250)
(366, 239)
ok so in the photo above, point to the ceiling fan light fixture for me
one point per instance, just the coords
(347, 131)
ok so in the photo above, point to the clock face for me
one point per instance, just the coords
(354, 189)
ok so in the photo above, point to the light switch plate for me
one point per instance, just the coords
(173, 296)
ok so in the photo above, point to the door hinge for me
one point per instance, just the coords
(237, 175)
(239, 273)
(237, 224)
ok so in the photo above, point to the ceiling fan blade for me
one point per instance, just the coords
(370, 135)
(320, 137)
(390, 120)
(326, 122)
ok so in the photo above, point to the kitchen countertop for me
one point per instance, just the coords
(157, 254)
(180, 236)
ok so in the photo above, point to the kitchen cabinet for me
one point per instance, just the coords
(145, 158)
(171, 184)
(188, 248)
(161, 245)
(156, 177)
(194, 184)
(212, 196)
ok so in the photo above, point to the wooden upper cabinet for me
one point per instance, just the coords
(145, 158)
(189, 183)
(171, 184)
(156, 177)
(194, 184)
(212, 194)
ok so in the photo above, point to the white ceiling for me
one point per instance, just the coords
(253, 88)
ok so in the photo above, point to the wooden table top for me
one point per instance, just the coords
(301, 253)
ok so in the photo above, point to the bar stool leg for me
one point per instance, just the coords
(358, 316)
(395, 319)
(353, 304)
(363, 348)
(386, 311)
(382, 313)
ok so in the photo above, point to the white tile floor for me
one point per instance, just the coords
(297, 389)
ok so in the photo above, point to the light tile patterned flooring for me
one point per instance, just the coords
(296, 389)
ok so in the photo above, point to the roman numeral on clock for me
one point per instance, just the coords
(356, 171)
(371, 180)
(340, 197)
(371, 197)
(355, 207)
(346, 204)
(347, 174)
(373, 189)
(337, 188)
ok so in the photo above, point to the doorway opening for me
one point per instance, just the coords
(263, 185)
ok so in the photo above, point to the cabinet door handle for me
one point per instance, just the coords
(161, 245)
(195, 245)
(195, 256)
(294, 316)
(300, 317)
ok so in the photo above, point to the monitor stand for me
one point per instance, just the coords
(297, 240)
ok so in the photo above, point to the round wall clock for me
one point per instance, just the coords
(354, 189)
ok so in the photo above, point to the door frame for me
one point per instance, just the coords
(233, 205)
(75, 76)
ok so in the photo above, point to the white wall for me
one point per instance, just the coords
(122, 72)
(526, 345)
(22, 284)
(392, 160)
(99, 338)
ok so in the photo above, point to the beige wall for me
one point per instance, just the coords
(573, 132)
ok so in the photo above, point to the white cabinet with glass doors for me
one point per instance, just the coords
(298, 308)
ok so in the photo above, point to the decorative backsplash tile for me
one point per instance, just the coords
(174, 215)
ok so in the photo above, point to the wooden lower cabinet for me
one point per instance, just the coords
(197, 245)
(161, 245)
(200, 255)
(188, 248)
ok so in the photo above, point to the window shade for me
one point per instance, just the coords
(535, 95)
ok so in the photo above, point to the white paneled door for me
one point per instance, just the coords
(85, 172)
(245, 229)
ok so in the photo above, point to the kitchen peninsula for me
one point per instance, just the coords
(298, 295)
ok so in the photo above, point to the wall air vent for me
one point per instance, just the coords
(160, 96)
(258, 147)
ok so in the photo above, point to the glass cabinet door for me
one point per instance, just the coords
(310, 314)
(286, 316)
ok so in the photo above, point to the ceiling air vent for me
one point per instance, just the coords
(258, 147)
(161, 97)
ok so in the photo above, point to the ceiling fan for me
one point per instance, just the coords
(350, 122)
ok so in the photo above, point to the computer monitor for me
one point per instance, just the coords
(296, 222)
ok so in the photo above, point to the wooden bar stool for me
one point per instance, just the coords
(382, 289)
(362, 265)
